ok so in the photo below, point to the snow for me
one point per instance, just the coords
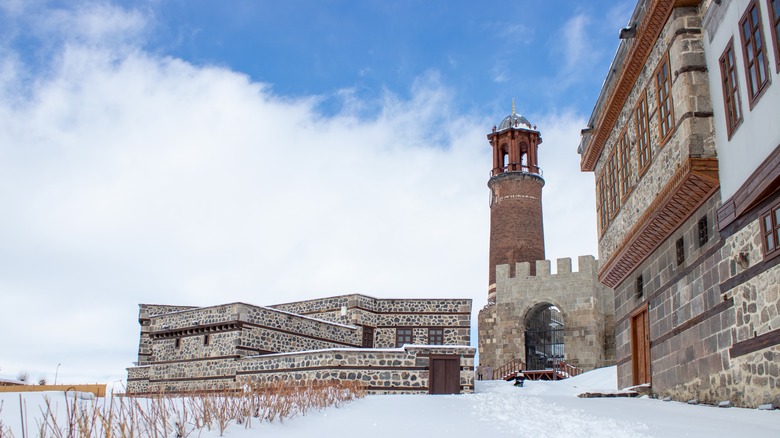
(498, 409)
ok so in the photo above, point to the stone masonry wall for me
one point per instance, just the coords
(694, 132)
(402, 370)
(384, 315)
(585, 303)
(696, 318)
(677, 297)
(199, 348)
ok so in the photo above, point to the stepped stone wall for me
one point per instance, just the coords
(226, 346)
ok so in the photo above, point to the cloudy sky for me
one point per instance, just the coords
(198, 152)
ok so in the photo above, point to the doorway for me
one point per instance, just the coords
(444, 374)
(640, 347)
(544, 338)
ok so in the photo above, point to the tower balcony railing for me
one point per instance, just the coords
(536, 170)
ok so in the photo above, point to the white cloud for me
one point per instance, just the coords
(92, 23)
(138, 178)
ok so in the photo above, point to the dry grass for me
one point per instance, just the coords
(162, 415)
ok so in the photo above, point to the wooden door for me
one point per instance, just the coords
(640, 347)
(444, 375)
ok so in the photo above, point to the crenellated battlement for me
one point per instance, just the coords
(588, 265)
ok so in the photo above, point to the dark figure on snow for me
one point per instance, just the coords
(519, 379)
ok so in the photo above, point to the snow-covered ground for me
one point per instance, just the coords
(546, 409)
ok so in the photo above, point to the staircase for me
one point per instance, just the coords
(559, 371)
(508, 370)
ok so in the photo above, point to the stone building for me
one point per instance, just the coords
(390, 345)
(696, 287)
(534, 319)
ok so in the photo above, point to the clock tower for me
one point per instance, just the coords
(516, 231)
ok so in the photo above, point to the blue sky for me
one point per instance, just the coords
(194, 152)
(547, 55)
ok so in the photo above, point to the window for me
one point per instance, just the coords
(435, 336)
(704, 235)
(603, 211)
(770, 230)
(663, 87)
(680, 246)
(731, 102)
(774, 17)
(643, 151)
(612, 185)
(206, 339)
(177, 343)
(403, 336)
(754, 51)
(640, 286)
(624, 166)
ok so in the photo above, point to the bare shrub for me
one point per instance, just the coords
(159, 416)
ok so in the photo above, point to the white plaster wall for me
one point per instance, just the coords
(759, 133)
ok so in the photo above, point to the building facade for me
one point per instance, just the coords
(390, 345)
(654, 145)
(534, 319)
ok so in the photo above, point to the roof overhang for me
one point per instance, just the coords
(690, 186)
(648, 31)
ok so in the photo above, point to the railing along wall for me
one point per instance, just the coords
(512, 366)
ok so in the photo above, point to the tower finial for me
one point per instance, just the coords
(513, 107)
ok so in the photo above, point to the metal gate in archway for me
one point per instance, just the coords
(544, 339)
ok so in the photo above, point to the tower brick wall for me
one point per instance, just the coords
(516, 229)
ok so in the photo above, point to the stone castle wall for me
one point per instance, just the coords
(586, 305)
(383, 371)
(203, 348)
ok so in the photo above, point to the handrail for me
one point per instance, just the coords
(510, 367)
(536, 170)
(566, 369)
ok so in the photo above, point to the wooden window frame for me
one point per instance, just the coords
(643, 147)
(732, 104)
(624, 166)
(613, 200)
(663, 91)
(399, 337)
(434, 334)
(773, 214)
(601, 208)
(774, 22)
(751, 45)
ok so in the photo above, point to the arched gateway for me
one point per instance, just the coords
(544, 346)
(522, 324)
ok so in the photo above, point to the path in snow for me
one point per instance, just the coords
(546, 409)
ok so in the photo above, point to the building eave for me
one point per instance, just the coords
(690, 186)
(648, 31)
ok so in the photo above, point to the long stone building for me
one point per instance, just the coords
(683, 142)
(535, 320)
(390, 345)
